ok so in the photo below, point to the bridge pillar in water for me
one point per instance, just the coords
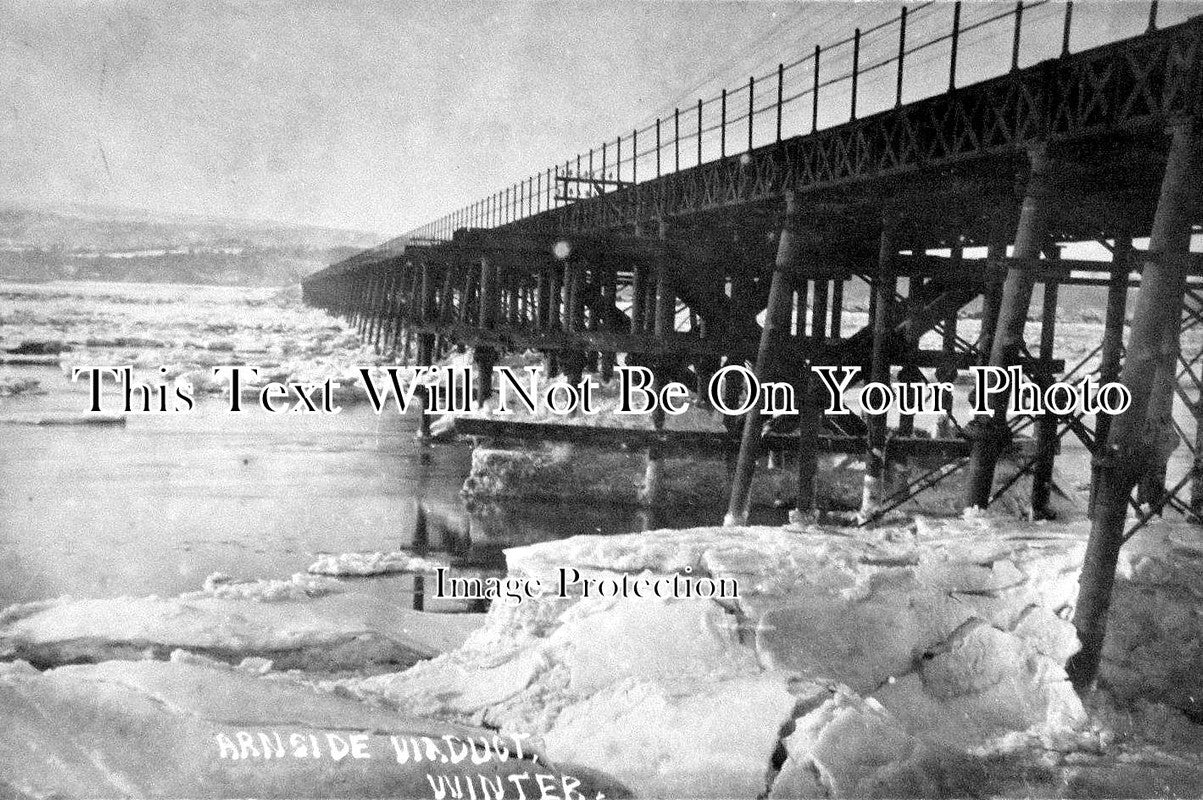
(664, 319)
(1151, 490)
(776, 327)
(1046, 425)
(947, 371)
(1035, 218)
(810, 421)
(572, 362)
(609, 300)
(486, 357)
(879, 369)
(1113, 344)
(425, 347)
(837, 307)
(1132, 446)
(555, 280)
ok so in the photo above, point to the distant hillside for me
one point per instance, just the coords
(109, 243)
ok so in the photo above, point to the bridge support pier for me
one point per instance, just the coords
(1046, 425)
(609, 299)
(947, 371)
(663, 324)
(555, 281)
(879, 369)
(572, 362)
(918, 294)
(486, 357)
(1152, 489)
(1113, 345)
(776, 326)
(1131, 448)
(818, 317)
(1035, 217)
(810, 420)
(425, 349)
(837, 308)
(1196, 481)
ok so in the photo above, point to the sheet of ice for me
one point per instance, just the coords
(850, 747)
(601, 641)
(84, 324)
(183, 729)
(372, 563)
(703, 739)
(296, 587)
(280, 621)
(909, 656)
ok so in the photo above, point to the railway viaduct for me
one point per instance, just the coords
(713, 238)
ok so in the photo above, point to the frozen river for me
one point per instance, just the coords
(159, 504)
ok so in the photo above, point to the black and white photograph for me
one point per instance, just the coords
(587, 399)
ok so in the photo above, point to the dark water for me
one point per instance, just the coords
(156, 506)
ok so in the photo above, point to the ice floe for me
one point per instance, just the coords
(185, 728)
(901, 661)
(372, 563)
(307, 622)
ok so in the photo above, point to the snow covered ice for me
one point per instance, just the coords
(306, 622)
(901, 662)
(186, 728)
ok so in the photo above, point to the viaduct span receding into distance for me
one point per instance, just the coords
(718, 236)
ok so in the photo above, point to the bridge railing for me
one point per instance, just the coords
(924, 50)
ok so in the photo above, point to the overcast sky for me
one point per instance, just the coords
(376, 115)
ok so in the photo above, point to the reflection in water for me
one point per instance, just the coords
(421, 545)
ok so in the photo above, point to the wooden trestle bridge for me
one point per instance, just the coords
(965, 197)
